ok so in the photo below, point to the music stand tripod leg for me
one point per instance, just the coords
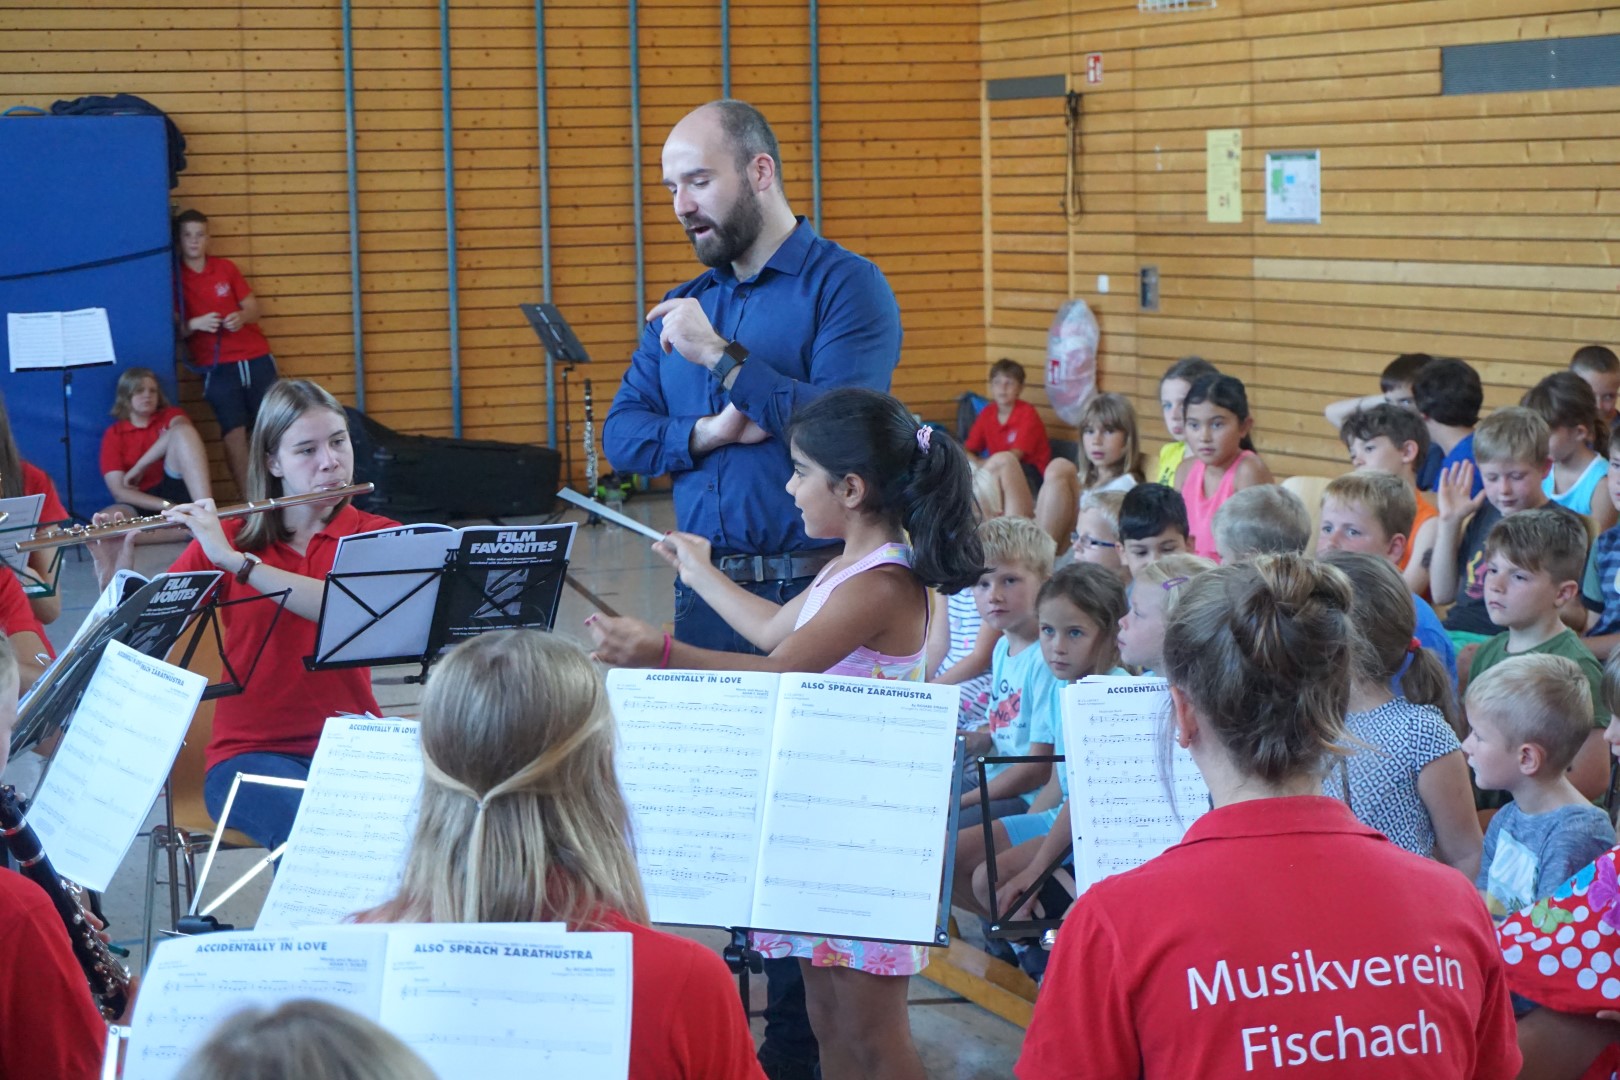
(742, 959)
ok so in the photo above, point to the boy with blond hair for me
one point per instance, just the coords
(1018, 557)
(1511, 448)
(1261, 520)
(1372, 512)
(1529, 718)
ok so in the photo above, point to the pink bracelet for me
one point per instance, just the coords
(669, 643)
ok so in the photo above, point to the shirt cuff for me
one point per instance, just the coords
(753, 388)
(678, 443)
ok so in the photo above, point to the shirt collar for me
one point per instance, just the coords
(787, 259)
(1278, 817)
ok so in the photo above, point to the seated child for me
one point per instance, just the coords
(1110, 460)
(1578, 442)
(1598, 365)
(1223, 462)
(1511, 447)
(1259, 521)
(1096, 535)
(1533, 564)
(1395, 390)
(151, 456)
(1394, 440)
(1011, 437)
(1152, 594)
(1448, 395)
(1080, 609)
(1405, 765)
(1528, 718)
(1018, 558)
(1173, 387)
(1371, 512)
(1152, 524)
(1600, 586)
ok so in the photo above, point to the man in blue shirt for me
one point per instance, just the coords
(780, 316)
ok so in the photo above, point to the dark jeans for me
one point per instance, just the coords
(790, 1046)
(264, 813)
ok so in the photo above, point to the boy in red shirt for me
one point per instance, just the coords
(220, 314)
(1010, 435)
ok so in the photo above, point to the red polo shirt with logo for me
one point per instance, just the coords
(1022, 431)
(282, 707)
(1280, 938)
(123, 444)
(219, 289)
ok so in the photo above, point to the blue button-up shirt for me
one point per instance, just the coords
(815, 317)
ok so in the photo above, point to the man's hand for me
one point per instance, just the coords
(687, 329)
(730, 425)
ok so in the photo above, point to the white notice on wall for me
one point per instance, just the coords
(113, 760)
(1294, 187)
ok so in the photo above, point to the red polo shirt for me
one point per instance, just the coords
(49, 1026)
(17, 614)
(36, 482)
(1281, 938)
(219, 289)
(123, 444)
(282, 707)
(1022, 431)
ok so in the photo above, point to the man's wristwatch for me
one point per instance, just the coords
(249, 561)
(730, 358)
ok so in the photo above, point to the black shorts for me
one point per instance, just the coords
(236, 390)
(170, 489)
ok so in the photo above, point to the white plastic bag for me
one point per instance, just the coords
(1071, 360)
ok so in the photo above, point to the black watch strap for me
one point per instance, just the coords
(730, 357)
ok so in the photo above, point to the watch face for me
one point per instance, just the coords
(736, 351)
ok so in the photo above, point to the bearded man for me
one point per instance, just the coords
(781, 316)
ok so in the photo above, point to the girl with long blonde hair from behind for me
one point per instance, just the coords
(522, 820)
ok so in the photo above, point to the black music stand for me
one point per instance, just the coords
(561, 345)
(467, 592)
(1023, 928)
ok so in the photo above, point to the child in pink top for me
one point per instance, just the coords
(866, 474)
(1220, 460)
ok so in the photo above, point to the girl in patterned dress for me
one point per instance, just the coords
(865, 473)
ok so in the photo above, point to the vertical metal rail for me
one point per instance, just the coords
(635, 162)
(545, 204)
(815, 113)
(354, 208)
(450, 222)
(725, 48)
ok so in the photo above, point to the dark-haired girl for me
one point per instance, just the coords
(1221, 458)
(865, 473)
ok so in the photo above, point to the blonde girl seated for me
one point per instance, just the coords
(1110, 460)
(522, 820)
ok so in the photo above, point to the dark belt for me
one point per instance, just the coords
(753, 569)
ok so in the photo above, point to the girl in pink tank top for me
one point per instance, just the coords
(1220, 459)
(865, 473)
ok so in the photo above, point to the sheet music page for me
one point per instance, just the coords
(112, 762)
(484, 1001)
(348, 844)
(195, 982)
(694, 747)
(344, 606)
(1119, 807)
(856, 808)
(34, 339)
(86, 338)
(22, 515)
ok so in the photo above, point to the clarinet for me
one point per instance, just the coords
(591, 469)
(108, 978)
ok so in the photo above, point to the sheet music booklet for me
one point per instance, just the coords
(1119, 802)
(48, 340)
(348, 844)
(387, 599)
(474, 1000)
(810, 804)
(22, 518)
